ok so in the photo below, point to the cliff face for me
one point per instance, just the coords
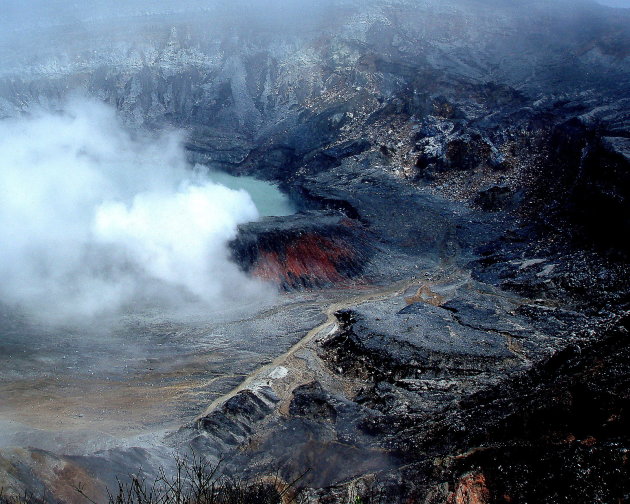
(479, 150)
(501, 104)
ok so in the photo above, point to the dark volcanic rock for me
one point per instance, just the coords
(587, 180)
(419, 341)
(554, 433)
(226, 428)
(495, 198)
(558, 434)
(217, 147)
(460, 152)
(400, 217)
(313, 402)
(487, 140)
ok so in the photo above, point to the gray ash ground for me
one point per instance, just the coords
(457, 281)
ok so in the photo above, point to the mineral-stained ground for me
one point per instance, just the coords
(462, 171)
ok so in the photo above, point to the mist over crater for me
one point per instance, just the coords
(448, 243)
(94, 218)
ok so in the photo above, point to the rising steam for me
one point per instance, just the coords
(94, 220)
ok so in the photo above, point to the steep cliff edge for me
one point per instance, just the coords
(462, 174)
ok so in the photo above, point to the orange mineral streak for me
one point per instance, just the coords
(426, 295)
(310, 257)
(471, 489)
(62, 478)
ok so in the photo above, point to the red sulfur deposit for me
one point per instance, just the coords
(309, 259)
(471, 489)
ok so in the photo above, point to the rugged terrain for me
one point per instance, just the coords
(463, 174)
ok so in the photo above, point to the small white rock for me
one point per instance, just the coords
(279, 372)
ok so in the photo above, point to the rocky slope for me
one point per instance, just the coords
(463, 168)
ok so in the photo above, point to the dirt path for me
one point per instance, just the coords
(262, 373)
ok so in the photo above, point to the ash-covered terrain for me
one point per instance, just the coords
(452, 317)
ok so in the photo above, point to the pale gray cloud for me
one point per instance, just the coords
(616, 3)
(93, 219)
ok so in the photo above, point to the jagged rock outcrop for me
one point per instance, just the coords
(489, 144)
(305, 250)
(520, 107)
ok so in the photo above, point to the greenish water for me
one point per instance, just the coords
(269, 200)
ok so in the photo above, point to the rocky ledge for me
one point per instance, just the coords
(306, 250)
(462, 176)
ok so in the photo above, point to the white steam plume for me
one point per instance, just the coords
(93, 219)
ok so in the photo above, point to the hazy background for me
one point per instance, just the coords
(616, 3)
(93, 218)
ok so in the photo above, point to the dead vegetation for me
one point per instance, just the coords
(193, 481)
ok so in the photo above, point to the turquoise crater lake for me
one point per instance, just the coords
(268, 198)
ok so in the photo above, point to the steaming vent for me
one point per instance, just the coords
(94, 219)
